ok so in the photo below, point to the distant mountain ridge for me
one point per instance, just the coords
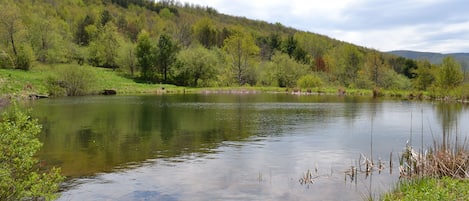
(434, 58)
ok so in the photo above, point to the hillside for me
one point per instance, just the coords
(434, 58)
(167, 42)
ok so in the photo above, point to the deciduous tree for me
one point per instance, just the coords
(205, 32)
(424, 75)
(165, 55)
(241, 50)
(82, 36)
(145, 56)
(283, 71)
(449, 75)
(197, 64)
(11, 24)
(109, 39)
(127, 58)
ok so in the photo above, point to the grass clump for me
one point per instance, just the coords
(440, 173)
(445, 188)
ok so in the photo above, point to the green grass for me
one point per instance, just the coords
(109, 79)
(19, 84)
(430, 189)
(439, 173)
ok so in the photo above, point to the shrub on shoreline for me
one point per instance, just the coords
(20, 177)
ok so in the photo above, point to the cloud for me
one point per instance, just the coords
(421, 25)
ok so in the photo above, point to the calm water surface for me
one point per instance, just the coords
(233, 147)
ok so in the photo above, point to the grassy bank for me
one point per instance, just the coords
(439, 173)
(430, 189)
(20, 84)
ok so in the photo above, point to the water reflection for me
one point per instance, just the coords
(448, 115)
(108, 133)
(226, 147)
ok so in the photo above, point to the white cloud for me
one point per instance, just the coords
(421, 25)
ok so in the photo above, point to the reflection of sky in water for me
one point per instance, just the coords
(268, 166)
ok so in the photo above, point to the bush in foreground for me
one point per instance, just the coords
(20, 177)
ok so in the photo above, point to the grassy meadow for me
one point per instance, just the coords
(20, 84)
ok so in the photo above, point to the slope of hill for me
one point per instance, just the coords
(163, 42)
(435, 58)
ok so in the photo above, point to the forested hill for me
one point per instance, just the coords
(187, 45)
(435, 58)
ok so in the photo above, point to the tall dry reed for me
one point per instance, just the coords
(441, 160)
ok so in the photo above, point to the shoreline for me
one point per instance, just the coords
(6, 99)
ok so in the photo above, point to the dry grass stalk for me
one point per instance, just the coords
(365, 166)
(307, 178)
(439, 161)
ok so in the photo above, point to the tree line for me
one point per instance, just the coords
(191, 45)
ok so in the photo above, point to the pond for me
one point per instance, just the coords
(235, 146)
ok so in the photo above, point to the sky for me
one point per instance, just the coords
(440, 26)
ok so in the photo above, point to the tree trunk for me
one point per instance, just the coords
(13, 44)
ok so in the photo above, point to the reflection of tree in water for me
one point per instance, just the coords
(146, 119)
(89, 140)
(167, 123)
(448, 114)
(158, 115)
(354, 105)
(85, 136)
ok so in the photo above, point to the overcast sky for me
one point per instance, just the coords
(419, 25)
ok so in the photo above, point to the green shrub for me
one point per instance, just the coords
(5, 60)
(19, 174)
(362, 81)
(55, 87)
(309, 81)
(25, 57)
(71, 81)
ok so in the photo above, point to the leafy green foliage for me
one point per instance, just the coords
(82, 36)
(11, 26)
(309, 81)
(205, 32)
(424, 76)
(127, 58)
(5, 60)
(269, 45)
(104, 50)
(450, 74)
(19, 174)
(348, 61)
(165, 55)
(145, 56)
(25, 57)
(241, 50)
(282, 71)
(197, 67)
